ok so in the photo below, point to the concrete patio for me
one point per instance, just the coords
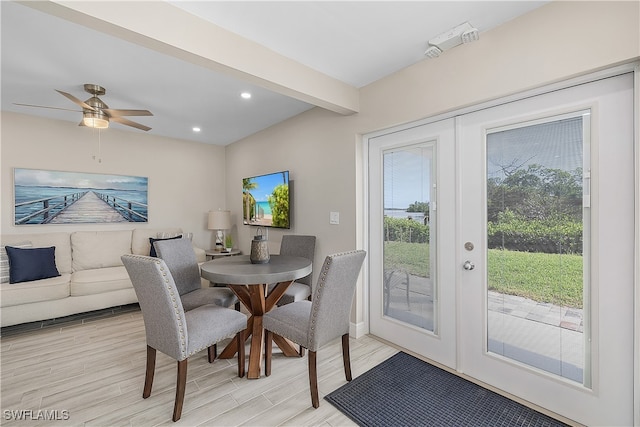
(541, 335)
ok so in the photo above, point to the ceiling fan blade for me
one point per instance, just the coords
(44, 106)
(119, 112)
(128, 122)
(76, 100)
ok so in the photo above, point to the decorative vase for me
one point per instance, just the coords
(259, 248)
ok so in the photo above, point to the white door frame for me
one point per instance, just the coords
(437, 345)
(636, 137)
(363, 220)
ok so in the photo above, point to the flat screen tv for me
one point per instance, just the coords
(265, 200)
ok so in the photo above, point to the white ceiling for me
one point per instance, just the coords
(354, 42)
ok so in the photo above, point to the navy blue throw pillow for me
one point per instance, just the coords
(30, 264)
(152, 252)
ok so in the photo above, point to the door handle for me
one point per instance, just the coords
(468, 265)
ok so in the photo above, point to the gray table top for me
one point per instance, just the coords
(238, 270)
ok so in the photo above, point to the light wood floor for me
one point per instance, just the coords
(95, 371)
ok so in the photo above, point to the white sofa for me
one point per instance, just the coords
(92, 276)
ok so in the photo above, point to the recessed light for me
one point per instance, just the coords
(245, 95)
(196, 129)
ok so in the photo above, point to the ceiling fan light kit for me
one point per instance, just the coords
(463, 33)
(96, 114)
(96, 120)
(95, 117)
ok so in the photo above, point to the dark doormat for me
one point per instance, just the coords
(405, 391)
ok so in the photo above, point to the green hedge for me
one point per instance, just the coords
(405, 230)
(511, 231)
(516, 233)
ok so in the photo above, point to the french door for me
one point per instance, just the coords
(531, 262)
(412, 205)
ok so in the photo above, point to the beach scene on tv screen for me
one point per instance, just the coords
(265, 200)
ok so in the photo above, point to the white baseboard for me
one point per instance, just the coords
(357, 330)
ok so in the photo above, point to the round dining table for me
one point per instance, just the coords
(250, 282)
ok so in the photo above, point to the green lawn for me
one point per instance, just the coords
(412, 257)
(556, 279)
(551, 278)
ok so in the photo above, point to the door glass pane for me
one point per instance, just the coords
(537, 211)
(409, 221)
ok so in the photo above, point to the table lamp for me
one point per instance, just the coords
(220, 221)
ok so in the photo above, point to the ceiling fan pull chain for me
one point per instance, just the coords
(94, 153)
(99, 148)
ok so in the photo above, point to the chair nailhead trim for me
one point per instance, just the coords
(314, 314)
(179, 319)
(321, 283)
(176, 307)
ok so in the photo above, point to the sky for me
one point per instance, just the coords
(407, 177)
(555, 145)
(35, 177)
(266, 184)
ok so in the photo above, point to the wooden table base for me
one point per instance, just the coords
(253, 297)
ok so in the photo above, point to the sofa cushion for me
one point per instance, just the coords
(4, 260)
(27, 264)
(60, 240)
(98, 281)
(152, 249)
(140, 238)
(39, 290)
(98, 249)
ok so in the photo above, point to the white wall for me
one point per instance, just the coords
(186, 179)
(560, 40)
(550, 44)
(312, 148)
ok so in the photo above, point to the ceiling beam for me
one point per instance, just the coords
(167, 29)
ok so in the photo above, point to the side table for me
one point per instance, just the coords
(212, 254)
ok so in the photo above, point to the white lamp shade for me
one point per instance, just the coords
(219, 220)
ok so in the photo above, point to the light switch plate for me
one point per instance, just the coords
(334, 217)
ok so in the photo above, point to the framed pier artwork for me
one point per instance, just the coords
(54, 197)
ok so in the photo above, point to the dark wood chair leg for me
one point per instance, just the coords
(241, 354)
(181, 385)
(313, 379)
(345, 357)
(268, 350)
(212, 352)
(151, 368)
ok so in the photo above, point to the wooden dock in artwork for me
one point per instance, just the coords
(88, 209)
(81, 207)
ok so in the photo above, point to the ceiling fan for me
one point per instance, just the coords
(97, 114)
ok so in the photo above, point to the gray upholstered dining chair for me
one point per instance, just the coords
(303, 246)
(179, 256)
(314, 323)
(171, 330)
